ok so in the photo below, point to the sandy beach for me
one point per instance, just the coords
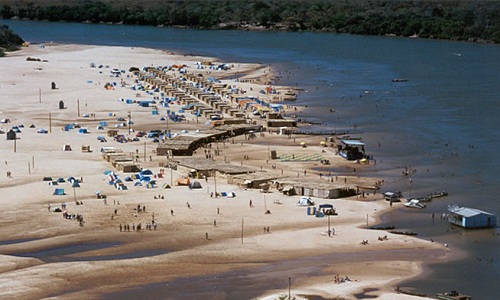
(189, 234)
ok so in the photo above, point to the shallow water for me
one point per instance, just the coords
(62, 253)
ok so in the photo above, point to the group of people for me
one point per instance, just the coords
(382, 238)
(338, 279)
(149, 226)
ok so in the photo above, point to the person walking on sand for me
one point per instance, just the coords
(206, 235)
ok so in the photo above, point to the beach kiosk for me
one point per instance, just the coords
(471, 218)
(351, 149)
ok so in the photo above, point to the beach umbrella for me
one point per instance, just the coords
(302, 143)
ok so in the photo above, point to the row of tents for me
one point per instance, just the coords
(60, 191)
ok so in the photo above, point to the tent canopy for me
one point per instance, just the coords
(305, 201)
(195, 185)
(183, 181)
(59, 192)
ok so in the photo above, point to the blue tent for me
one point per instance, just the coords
(59, 192)
(75, 184)
(145, 178)
(146, 172)
(83, 130)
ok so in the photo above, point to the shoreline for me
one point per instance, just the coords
(72, 63)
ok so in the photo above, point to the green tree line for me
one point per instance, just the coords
(454, 20)
(9, 41)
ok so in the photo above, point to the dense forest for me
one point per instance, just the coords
(455, 20)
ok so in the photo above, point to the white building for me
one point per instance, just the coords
(471, 218)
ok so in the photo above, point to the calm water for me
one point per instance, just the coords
(443, 122)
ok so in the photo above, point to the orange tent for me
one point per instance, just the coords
(182, 181)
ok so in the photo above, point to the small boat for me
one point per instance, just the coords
(453, 295)
(403, 232)
(414, 203)
(399, 80)
(382, 227)
(290, 95)
(438, 195)
(431, 196)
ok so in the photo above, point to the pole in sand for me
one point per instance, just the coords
(242, 222)
(289, 287)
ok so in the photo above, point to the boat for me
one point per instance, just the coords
(453, 295)
(290, 95)
(438, 195)
(383, 227)
(431, 196)
(414, 203)
(399, 80)
(403, 232)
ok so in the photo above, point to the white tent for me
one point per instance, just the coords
(305, 201)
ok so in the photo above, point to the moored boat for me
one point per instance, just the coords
(453, 295)
(414, 203)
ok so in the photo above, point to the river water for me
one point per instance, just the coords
(442, 124)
